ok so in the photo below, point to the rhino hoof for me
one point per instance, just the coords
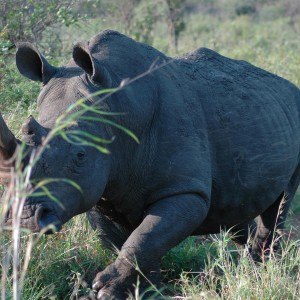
(103, 296)
(89, 297)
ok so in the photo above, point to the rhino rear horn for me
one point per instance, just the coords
(32, 64)
(97, 72)
(8, 142)
(33, 132)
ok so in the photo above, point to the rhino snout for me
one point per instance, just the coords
(37, 219)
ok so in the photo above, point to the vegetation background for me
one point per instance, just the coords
(263, 32)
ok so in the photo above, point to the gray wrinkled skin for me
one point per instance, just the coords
(219, 146)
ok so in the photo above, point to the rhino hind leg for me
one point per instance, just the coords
(111, 233)
(270, 226)
(270, 223)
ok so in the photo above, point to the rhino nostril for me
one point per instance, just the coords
(46, 219)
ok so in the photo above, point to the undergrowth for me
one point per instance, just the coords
(63, 267)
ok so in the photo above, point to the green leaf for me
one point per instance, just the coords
(44, 182)
(112, 123)
(76, 133)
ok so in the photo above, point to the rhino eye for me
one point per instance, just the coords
(79, 158)
(80, 155)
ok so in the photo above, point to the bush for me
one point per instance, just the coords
(245, 10)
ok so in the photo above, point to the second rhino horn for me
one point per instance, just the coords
(33, 132)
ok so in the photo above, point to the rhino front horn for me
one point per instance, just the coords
(33, 132)
(8, 142)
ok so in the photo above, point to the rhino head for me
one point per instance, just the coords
(77, 172)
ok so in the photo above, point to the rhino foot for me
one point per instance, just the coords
(120, 279)
(113, 283)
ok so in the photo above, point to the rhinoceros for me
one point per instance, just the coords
(219, 145)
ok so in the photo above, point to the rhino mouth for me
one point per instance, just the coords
(37, 219)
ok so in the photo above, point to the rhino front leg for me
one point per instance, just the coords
(111, 230)
(166, 223)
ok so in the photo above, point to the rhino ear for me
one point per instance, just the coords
(84, 59)
(32, 64)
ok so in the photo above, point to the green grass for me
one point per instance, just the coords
(229, 274)
(59, 262)
(63, 265)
